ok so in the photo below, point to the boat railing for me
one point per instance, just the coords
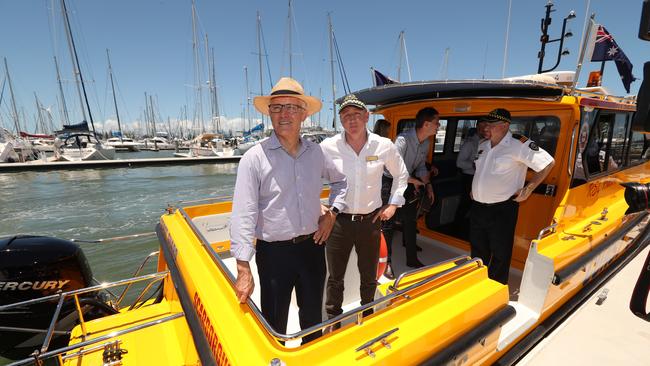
(461, 263)
(551, 229)
(605, 97)
(43, 352)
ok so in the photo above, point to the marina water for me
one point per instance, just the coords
(104, 203)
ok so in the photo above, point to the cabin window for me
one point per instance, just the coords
(617, 147)
(638, 148)
(544, 130)
(606, 147)
(404, 125)
(465, 128)
(440, 136)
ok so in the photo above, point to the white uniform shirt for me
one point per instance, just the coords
(363, 172)
(501, 170)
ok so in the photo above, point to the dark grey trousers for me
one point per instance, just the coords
(364, 237)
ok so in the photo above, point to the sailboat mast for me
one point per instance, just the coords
(248, 99)
(117, 113)
(405, 54)
(210, 81)
(77, 69)
(153, 123)
(215, 95)
(259, 58)
(63, 108)
(290, 17)
(40, 124)
(331, 38)
(197, 71)
(14, 110)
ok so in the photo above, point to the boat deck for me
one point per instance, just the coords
(116, 163)
(600, 332)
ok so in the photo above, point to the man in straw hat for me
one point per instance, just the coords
(498, 186)
(362, 156)
(277, 202)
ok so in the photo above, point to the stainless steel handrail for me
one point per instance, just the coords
(425, 268)
(547, 230)
(157, 275)
(571, 163)
(49, 354)
(357, 312)
(135, 274)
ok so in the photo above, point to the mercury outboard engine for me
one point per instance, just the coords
(636, 196)
(36, 266)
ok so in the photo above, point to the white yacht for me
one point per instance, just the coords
(14, 149)
(123, 144)
(82, 146)
(158, 143)
(210, 144)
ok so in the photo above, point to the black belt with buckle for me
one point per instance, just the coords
(296, 240)
(357, 217)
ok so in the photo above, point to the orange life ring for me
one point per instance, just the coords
(383, 256)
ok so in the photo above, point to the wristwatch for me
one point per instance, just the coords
(334, 210)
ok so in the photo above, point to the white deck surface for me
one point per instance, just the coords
(606, 334)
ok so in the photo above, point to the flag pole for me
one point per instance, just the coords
(602, 71)
(583, 50)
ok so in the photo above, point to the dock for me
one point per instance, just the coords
(603, 331)
(116, 163)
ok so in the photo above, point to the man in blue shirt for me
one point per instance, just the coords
(277, 202)
(413, 145)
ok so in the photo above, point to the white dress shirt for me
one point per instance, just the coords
(363, 172)
(501, 170)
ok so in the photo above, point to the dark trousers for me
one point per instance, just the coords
(364, 237)
(282, 267)
(492, 229)
(408, 216)
(465, 200)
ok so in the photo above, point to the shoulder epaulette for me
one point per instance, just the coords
(519, 137)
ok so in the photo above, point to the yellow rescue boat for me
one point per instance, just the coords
(572, 234)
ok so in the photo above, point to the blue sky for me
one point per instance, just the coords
(151, 48)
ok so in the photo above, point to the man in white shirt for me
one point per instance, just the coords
(498, 187)
(362, 156)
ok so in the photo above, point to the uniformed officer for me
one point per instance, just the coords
(498, 187)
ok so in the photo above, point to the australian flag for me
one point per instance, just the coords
(606, 49)
(381, 79)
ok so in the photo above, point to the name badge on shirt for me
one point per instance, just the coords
(372, 158)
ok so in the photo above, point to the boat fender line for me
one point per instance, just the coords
(641, 291)
(572, 268)
(192, 318)
(383, 256)
(453, 353)
(522, 347)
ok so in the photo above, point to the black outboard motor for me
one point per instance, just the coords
(636, 196)
(36, 266)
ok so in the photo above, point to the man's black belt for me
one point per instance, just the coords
(357, 217)
(495, 203)
(296, 240)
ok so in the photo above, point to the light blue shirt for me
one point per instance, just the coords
(413, 152)
(277, 196)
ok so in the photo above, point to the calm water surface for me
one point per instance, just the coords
(103, 203)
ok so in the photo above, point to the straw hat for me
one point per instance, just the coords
(287, 87)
